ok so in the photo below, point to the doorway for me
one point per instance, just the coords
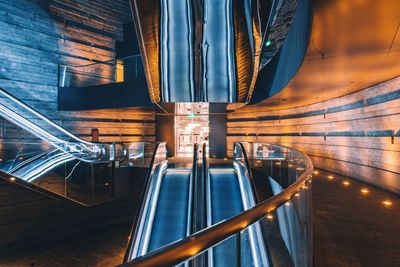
(191, 126)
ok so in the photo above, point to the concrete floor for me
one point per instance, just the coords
(351, 228)
(352, 225)
(102, 249)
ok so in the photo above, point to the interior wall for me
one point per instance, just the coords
(36, 36)
(217, 139)
(357, 135)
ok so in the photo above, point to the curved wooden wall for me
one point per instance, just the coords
(357, 135)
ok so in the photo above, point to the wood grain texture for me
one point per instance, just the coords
(357, 135)
(36, 36)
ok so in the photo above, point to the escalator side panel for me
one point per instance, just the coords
(225, 196)
(225, 203)
(170, 220)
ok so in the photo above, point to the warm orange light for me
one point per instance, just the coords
(364, 191)
(346, 183)
(12, 179)
(194, 251)
(330, 177)
(316, 172)
(244, 225)
(297, 195)
(225, 158)
(270, 217)
(119, 71)
(278, 163)
(287, 204)
(387, 203)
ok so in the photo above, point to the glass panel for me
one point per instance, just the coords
(34, 162)
(117, 70)
(284, 236)
(32, 121)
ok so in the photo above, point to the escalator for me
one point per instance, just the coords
(39, 164)
(224, 202)
(177, 199)
(33, 146)
(166, 212)
(171, 219)
(229, 193)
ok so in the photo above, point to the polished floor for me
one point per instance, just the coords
(354, 225)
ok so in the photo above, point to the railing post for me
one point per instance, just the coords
(62, 71)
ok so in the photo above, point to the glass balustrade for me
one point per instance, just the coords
(39, 153)
(99, 73)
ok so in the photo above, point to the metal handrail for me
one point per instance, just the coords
(189, 247)
(140, 211)
(65, 145)
(204, 177)
(193, 186)
(247, 164)
(100, 62)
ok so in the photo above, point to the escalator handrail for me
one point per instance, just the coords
(28, 161)
(41, 116)
(250, 174)
(204, 177)
(187, 248)
(193, 181)
(89, 147)
(140, 211)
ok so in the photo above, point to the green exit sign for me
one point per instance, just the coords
(191, 115)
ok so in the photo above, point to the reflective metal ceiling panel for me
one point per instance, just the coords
(354, 44)
(200, 50)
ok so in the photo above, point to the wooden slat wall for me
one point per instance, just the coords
(357, 135)
(38, 35)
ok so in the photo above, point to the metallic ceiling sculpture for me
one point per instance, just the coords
(206, 50)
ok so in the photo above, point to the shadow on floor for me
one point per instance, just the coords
(101, 248)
